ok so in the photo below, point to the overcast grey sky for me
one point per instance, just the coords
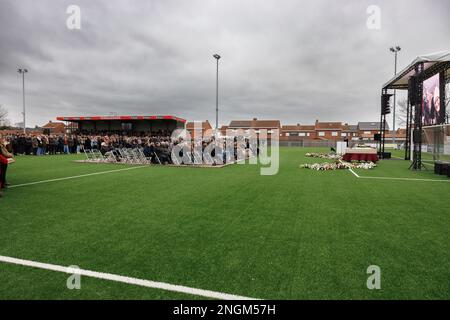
(296, 61)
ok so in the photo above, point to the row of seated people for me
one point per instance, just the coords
(160, 151)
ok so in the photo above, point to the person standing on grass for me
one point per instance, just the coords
(71, 144)
(21, 143)
(39, 150)
(87, 143)
(3, 161)
(66, 144)
(51, 144)
(75, 144)
(60, 145)
(35, 145)
(44, 144)
(5, 158)
(14, 145)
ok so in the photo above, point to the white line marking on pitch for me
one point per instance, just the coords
(354, 173)
(393, 178)
(73, 177)
(124, 279)
(405, 179)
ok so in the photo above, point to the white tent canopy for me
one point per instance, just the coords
(400, 80)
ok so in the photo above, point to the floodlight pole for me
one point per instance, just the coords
(217, 57)
(395, 50)
(23, 71)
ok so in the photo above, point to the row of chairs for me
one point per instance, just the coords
(137, 156)
(199, 157)
(119, 155)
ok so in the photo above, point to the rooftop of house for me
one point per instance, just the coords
(53, 125)
(298, 127)
(350, 128)
(204, 125)
(370, 126)
(328, 125)
(255, 124)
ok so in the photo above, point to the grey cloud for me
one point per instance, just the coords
(296, 61)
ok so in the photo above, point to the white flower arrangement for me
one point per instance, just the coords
(331, 156)
(326, 166)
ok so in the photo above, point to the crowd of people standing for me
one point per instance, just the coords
(159, 143)
(38, 144)
(158, 146)
(41, 144)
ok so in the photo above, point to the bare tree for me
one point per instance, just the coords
(447, 101)
(402, 110)
(3, 116)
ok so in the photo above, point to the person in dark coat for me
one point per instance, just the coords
(5, 158)
(34, 145)
(22, 144)
(87, 144)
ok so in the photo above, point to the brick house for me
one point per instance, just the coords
(223, 130)
(368, 129)
(349, 132)
(297, 132)
(400, 136)
(320, 131)
(54, 128)
(328, 130)
(256, 125)
(205, 126)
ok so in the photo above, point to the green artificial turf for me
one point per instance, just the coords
(300, 234)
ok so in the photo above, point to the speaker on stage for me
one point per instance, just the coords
(412, 88)
(385, 103)
(384, 155)
(417, 136)
(441, 168)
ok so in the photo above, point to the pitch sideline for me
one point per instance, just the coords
(73, 177)
(398, 179)
(125, 279)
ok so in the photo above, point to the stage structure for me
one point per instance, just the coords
(124, 124)
(385, 110)
(425, 79)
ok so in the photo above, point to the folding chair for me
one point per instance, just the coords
(124, 155)
(110, 157)
(117, 155)
(97, 156)
(89, 156)
(174, 160)
(136, 156)
(131, 156)
(157, 158)
(197, 157)
(208, 159)
(143, 158)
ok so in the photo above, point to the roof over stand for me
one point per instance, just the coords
(123, 118)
